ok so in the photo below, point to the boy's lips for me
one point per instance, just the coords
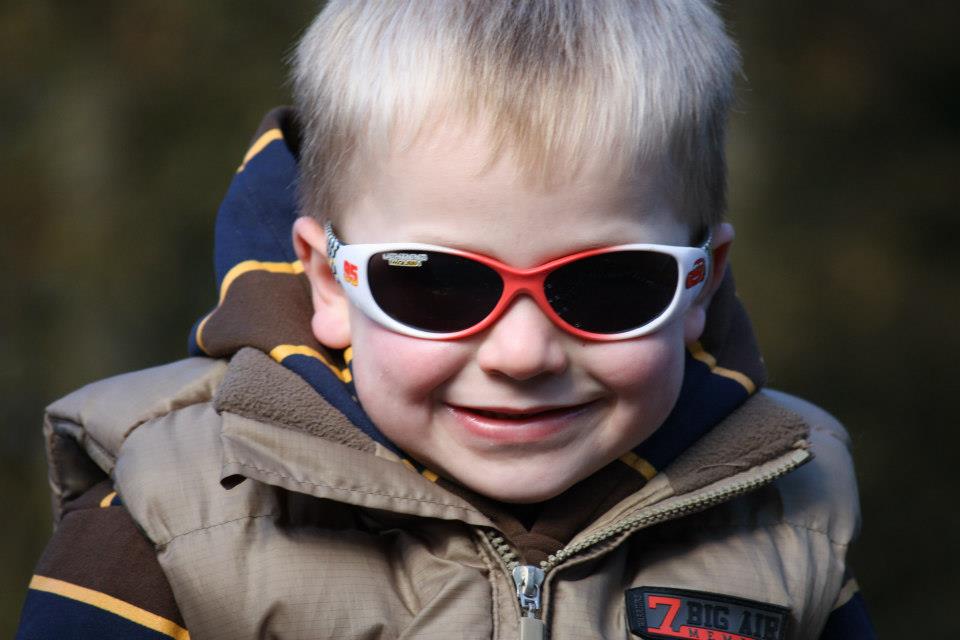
(510, 413)
(518, 425)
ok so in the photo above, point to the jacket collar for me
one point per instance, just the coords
(278, 431)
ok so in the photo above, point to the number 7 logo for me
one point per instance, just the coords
(673, 605)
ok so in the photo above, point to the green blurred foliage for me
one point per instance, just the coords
(124, 121)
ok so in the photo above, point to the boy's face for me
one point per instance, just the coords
(523, 410)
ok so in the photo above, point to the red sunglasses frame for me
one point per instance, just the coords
(348, 263)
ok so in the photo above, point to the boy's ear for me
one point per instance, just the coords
(696, 316)
(331, 313)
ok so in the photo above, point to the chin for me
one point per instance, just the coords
(514, 490)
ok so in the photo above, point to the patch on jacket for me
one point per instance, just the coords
(661, 612)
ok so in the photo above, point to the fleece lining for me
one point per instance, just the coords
(737, 444)
(256, 387)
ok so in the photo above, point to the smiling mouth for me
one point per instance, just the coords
(508, 426)
(522, 415)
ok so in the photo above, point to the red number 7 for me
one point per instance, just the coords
(673, 603)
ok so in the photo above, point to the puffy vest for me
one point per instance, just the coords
(273, 517)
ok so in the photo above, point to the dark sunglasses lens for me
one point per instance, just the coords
(430, 291)
(613, 292)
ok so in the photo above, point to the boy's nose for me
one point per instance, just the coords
(523, 343)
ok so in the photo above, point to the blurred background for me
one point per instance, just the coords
(123, 122)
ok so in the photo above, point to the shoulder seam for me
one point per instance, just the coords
(161, 545)
(176, 408)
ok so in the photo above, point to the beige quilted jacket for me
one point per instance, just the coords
(273, 517)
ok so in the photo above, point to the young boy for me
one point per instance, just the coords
(497, 386)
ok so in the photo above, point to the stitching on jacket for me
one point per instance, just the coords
(797, 525)
(175, 407)
(361, 491)
(483, 552)
(214, 526)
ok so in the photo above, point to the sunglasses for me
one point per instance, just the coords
(609, 293)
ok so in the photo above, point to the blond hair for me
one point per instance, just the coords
(558, 82)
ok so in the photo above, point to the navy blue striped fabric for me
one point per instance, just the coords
(47, 616)
(256, 216)
(705, 399)
(263, 197)
(339, 394)
(850, 622)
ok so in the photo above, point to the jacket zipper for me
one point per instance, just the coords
(529, 579)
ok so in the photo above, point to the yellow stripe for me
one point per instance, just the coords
(108, 603)
(282, 351)
(200, 327)
(696, 350)
(426, 473)
(634, 461)
(295, 267)
(107, 499)
(257, 147)
(238, 270)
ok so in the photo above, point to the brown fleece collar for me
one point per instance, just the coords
(258, 388)
(758, 431)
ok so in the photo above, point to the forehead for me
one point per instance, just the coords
(452, 187)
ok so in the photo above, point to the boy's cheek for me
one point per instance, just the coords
(389, 363)
(640, 366)
(646, 382)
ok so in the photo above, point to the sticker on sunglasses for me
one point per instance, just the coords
(697, 274)
(405, 259)
(350, 274)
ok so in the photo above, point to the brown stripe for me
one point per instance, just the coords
(103, 550)
(261, 310)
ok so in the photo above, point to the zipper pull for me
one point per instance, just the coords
(529, 580)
